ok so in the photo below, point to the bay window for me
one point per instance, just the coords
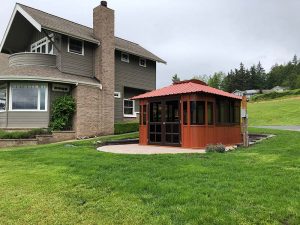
(28, 97)
(3, 94)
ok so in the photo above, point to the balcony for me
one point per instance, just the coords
(32, 59)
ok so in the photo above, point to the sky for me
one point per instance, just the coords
(195, 37)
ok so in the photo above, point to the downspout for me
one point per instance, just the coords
(7, 101)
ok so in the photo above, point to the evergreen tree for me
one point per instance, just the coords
(175, 78)
(295, 60)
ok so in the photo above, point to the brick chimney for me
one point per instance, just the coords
(104, 31)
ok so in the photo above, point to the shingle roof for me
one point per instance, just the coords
(60, 25)
(185, 87)
(40, 73)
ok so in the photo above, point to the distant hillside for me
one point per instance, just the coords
(275, 95)
(284, 111)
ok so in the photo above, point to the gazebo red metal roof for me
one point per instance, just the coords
(185, 87)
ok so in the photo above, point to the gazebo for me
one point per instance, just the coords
(189, 114)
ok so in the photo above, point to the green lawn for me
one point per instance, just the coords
(61, 184)
(284, 111)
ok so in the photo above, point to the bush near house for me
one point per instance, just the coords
(122, 128)
(274, 95)
(22, 134)
(62, 113)
(216, 148)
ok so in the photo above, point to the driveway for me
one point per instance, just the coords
(293, 128)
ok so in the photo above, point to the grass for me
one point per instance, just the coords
(275, 112)
(74, 184)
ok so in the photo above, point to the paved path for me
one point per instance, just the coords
(293, 128)
(150, 149)
(146, 149)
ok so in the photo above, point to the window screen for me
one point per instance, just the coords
(197, 111)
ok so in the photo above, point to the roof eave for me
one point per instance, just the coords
(43, 79)
(157, 59)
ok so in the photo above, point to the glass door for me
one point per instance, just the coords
(164, 124)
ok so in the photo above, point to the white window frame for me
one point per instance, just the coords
(40, 43)
(39, 102)
(4, 86)
(54, 86)
(82, 54)
(145, 62)
(117, 94)
(133, 107)
(124, 60)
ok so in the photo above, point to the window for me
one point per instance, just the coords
(28, 97)
(60, 88)
(124, 57)
(117, 94)
(185, 113)
(75, 46)
(143, 62)
(129, 108)
(228, 112)
(155, 112)
(237, 113)
(197, 110)
(43, 46)
(210, 113)
(3, 94)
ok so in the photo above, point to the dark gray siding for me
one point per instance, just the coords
(77, 64)
(21, 59)
(134, 76)
(28, 119)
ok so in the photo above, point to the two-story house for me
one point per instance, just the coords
(43, 56)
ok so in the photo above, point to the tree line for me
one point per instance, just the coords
(255, 77)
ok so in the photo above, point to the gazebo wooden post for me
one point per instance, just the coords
(245, 122)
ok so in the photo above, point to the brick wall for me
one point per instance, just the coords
(103, 25)
(87, 116)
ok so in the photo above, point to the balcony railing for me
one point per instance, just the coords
(32, 59)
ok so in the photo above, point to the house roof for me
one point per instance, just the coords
(185, 87)
(41, 73)
(43, 20)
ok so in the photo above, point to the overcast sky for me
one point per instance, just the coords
(195, 37)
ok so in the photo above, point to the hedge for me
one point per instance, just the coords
(122, 128)
(274, 95)
(22, 134)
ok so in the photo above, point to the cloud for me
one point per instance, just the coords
(195, 36)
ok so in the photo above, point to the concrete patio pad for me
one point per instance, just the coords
(146, 149)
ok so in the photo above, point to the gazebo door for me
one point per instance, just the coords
(164, 124)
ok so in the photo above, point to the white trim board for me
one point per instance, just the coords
(19, 9)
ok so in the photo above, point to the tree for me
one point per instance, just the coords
(203, 78)
(216, 80)
(175, 78)
(295, 60)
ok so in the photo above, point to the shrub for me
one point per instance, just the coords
(22, 134)
(122, 128)
(62, 113)
(274, 95)
(215, 148)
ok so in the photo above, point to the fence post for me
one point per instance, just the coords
(245, 122)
